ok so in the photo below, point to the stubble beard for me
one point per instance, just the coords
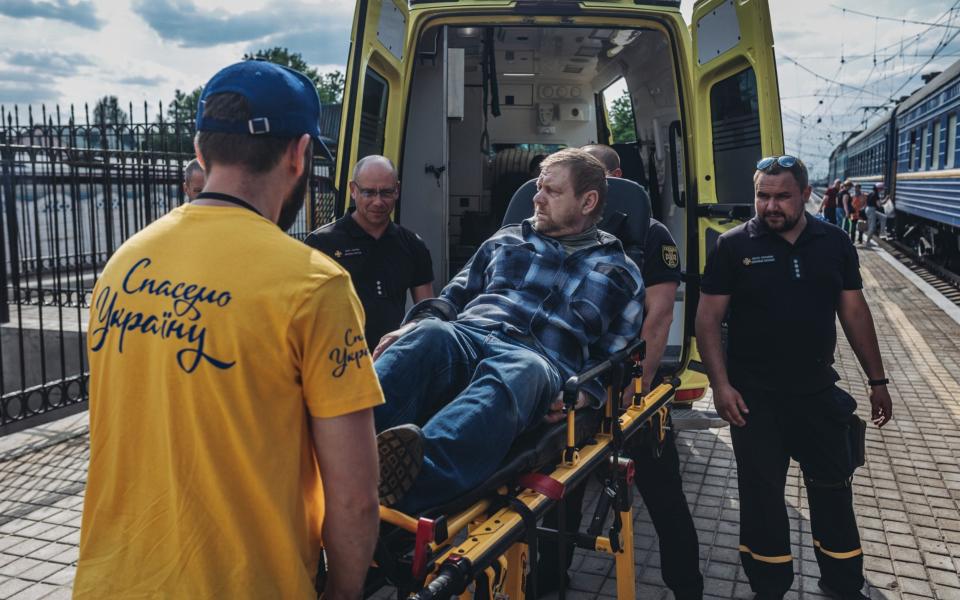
(788, 224)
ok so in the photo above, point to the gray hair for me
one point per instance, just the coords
(371, 159)
(192, 167)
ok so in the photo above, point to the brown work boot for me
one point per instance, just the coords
(401, 456)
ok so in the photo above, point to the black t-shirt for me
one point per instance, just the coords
(661, 259)
(784, 300)
(872, 199)
(382, 269)
(845, 201)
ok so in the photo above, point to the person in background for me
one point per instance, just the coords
(194, 179)
(889, 208)
(384, 259)
(857, 203)
(875, 212)
(845, 205)
(828, 208)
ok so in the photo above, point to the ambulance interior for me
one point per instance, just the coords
(461, 164)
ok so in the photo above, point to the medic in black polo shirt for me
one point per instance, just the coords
(383, 259)
(786, 277)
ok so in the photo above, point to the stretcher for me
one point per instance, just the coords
(485, 542)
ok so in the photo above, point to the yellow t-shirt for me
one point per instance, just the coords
(212, 336)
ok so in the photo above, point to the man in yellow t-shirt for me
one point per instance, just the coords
(228, 370)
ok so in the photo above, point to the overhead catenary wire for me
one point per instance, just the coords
(825, 78)
(839, 110)
(897, 19)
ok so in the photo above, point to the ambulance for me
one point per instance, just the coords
(467, 96)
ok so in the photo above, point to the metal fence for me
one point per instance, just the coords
(73, 187)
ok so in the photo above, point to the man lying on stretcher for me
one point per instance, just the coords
(538, 302)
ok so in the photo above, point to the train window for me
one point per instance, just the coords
(925, 149)
(935, 147)
(903, 152)
(931, 150)
(914, 155)
(951, 141)
(735, 116)
(373, 114)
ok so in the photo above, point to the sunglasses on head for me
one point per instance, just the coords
(786, 161)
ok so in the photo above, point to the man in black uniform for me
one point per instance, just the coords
(785, 277)
(383, 259)
(659, 480)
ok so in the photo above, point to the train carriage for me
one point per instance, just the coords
(867, 155)
(927, 169)
(913, 150)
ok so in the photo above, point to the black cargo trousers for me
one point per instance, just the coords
(813, 429)
(658, 481)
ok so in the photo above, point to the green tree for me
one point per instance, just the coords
(107, 110)
(623, 127)
(329, 85)
(179, 116)
(183, 108)
(283, 56)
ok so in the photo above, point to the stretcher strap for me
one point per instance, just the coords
(543, 484)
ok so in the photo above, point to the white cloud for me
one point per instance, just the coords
(76, 51)
(81, 13)
(130, 59)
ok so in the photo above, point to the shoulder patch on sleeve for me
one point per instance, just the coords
(670, 255)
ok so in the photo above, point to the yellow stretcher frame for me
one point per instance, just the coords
(494, 556)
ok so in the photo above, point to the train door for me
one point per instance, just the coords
(737, 113)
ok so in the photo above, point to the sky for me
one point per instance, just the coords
(835, 67)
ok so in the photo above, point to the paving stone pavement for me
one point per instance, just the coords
(907, 495)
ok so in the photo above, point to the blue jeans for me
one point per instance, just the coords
(472, 392)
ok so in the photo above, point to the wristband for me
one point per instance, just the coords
(877, 382)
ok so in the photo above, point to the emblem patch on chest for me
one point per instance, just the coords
(759, 260)
(671, 257)
(348, 252)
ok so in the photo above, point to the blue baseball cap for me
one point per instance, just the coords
(283, 102)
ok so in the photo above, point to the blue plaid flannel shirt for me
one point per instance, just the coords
(577, 309)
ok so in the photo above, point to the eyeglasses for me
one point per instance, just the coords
(786, 161)
(371, 193)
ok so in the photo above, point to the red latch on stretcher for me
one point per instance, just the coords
(543, 484)
(425, 535)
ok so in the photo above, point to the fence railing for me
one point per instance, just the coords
(72, 190)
